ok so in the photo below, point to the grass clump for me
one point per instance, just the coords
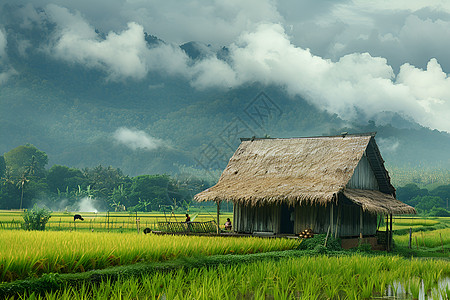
(332, 244)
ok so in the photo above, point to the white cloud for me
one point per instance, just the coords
(356, 63)
(2, 44)
(6, 71)
(389, 144)
(123, 54)
(356, 83)
(136, 139)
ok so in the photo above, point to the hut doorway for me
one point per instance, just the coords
(287, 219)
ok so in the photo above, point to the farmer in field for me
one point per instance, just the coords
(188, 222)
(228, 224)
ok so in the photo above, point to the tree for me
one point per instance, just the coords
(409, 192)
(62, 178)
(103, 180)
(2, 167)
(427, 203)
(27, 160)
(150, 190)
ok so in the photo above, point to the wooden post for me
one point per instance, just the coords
(218, 212)
(361, 223)
(331, 217)
(410, 237)
(338, 221)
(390, 235)
(387, 232)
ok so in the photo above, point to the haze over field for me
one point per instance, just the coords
(152, 86)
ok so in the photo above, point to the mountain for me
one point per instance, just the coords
(75, 113)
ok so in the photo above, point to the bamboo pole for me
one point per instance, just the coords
(218, 212)
(387, 232)
(331, 217)
(410, 237)
(390, 235)
(360, 222)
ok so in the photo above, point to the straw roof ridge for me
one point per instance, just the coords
(290, 170)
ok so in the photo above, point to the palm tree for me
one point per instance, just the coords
(21, 184)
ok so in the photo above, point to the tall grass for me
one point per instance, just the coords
(429, 239)
(350, 277)
(24, 253)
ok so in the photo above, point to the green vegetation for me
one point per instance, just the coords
(69, 252)
(36, 218)
(281, 275)
(27, 182)
(80, 264)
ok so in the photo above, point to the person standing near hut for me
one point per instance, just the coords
(228, 224)
(188, 223)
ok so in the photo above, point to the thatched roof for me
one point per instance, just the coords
(296, 170)
(376, 201)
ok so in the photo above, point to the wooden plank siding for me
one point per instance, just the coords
(363, 177)
(345, 215)
(249, 219)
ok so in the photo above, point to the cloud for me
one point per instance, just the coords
(2, 44)
(136, 139)
(122, 55)
(6, 71)
(389, 144)
(356, 86)
(372, 61)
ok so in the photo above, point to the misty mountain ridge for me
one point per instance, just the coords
(75, 113)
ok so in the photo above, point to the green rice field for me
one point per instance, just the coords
(106, 241)
(320, 277)
(108, 221)
(32, 253)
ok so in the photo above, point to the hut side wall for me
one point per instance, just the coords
(363, 176)
(250, 219)
(316, 217)
(345, 221)
(350, 218)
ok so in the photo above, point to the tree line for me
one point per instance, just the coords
(25, 181)
(431, 202)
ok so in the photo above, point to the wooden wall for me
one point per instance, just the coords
(343, 219)
(363, 176)
(256, 219)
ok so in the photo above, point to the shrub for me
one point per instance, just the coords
(319, 239)
(36, 218)
(439, 212)
(364, 248)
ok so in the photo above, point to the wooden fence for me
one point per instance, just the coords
(187, 227)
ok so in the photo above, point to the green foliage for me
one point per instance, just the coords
(36, 218)
(319, 240)
(2, 167)
(26, 160)
(365, 248)
(62, 178)
(410, 191)
(426, 203)
(439, 212)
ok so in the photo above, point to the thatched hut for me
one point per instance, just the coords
(334, 184)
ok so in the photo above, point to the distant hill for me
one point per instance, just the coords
(72, 113)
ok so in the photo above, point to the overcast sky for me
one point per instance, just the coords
(342, 56)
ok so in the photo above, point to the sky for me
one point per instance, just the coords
(347, 57)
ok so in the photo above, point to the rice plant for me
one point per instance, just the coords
(24, 253)
(294, 278)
